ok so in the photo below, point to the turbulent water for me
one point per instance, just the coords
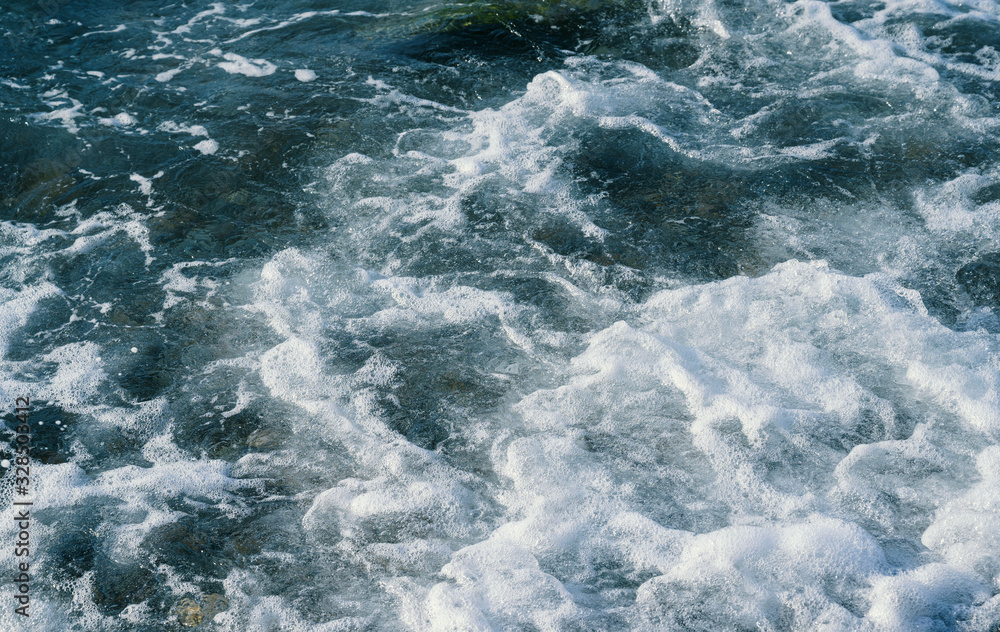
(514, 316)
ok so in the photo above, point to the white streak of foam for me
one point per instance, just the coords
(167, 75)
(117, 29)
(66, 115)
(295, 19)
(880, 60)
(17, 305)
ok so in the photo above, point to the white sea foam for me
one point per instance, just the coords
(102, 226)
(703, 372)
(167, 75)
(66, 115)
(122, 119)
(742, 436)
(16, 308)
(237, 64)
(181, 128)
(207, 147)
(741, 394)
(305, 75)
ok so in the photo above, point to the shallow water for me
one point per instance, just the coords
(503, 316)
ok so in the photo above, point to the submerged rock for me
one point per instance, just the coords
(116, 586)
(191, 613)
(213, 604)
(265, 439)
(981, 279)
(188, 612)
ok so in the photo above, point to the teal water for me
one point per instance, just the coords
(503, 316)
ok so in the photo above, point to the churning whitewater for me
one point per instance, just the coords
(500, 315)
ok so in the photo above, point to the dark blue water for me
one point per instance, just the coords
(506, 315)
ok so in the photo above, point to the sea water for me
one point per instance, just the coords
(498, 316)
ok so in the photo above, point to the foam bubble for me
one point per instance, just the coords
(237, 64)
(207, 147)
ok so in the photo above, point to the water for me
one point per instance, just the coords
(503, 316)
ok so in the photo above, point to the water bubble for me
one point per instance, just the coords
(305, 75)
